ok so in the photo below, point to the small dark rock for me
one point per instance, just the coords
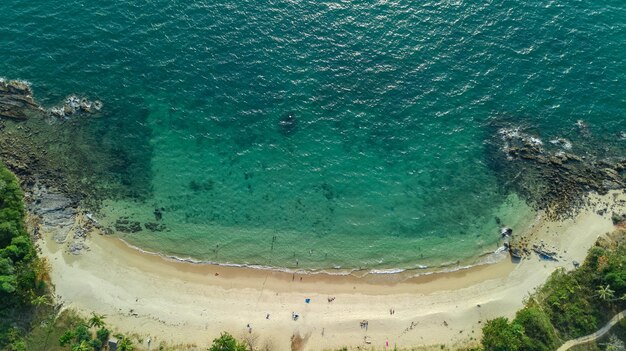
(155, 227)
(328, 192)
(198, 186)
(76, 248)
(287, 123)
(618, 218)
(126, 226)
(158, 215)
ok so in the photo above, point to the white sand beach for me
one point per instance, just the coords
(185, 303)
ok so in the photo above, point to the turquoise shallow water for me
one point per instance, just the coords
(321, 134)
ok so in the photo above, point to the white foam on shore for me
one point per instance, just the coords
(487, 258)
(564, 143)
(238, 265)
(387, 271)
(21, 81)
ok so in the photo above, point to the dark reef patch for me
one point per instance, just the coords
(200, 186)
(287, 123)
(328, 191)
(549, 176)
(125, 225)
(155, 227)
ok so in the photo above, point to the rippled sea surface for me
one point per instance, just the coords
(318, 134)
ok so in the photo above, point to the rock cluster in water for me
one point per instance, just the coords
(74, 105)
(17, 103)
(58, 152)
(125, 225)
(554, 180)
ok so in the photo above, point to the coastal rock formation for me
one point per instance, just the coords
(56, 151)
(55, 211)
(74, 105)
(16, 100)
(55, 215)
(551, 177)
(17, 103)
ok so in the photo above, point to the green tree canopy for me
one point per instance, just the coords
(227, 342)
(125, 344)
(500, 335)
(539, 331)
(96, 320)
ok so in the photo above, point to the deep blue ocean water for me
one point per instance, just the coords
(319, 134)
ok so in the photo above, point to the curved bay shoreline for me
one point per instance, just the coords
(189, 303)
(483, 259)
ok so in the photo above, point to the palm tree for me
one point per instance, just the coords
(605, 293)
(124, 344)
(96, 320)
(83, 346)
(40, 300)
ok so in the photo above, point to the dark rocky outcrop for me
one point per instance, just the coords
(58, 151)
(16, 100)
(17, 103)
(75, 105)
(56, 212)
(155, 227)
(550, 178)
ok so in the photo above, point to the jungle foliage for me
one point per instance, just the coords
(570, 304)
(23, 276)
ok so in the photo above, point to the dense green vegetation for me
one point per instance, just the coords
(227, 342)
(28, 321)
(569, 305)
(24, 295)
(92, 335)
(45, 335)
(22, 275)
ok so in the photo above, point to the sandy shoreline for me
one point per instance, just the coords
(187, 303)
